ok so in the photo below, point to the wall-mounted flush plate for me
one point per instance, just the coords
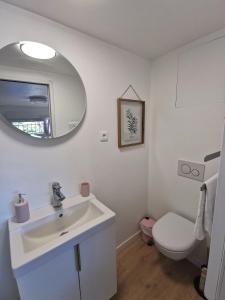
(191, 170)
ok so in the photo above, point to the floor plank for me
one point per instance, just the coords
(144, 274)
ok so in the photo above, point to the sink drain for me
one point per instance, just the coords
(64, 232)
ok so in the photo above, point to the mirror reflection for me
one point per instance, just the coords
(41, 93)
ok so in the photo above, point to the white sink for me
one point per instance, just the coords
(48, 228)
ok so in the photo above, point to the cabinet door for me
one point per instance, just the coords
(98, 265)
(56, 279)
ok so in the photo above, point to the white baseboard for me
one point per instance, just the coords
(124, 243)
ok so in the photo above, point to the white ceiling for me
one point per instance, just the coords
(148, 28)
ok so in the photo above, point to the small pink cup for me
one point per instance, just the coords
(85, 189)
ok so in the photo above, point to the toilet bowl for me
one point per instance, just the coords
(174, 236)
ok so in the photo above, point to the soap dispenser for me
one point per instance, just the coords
(22, 212)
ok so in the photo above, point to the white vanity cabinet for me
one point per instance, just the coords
(86, 270)
(65, 254)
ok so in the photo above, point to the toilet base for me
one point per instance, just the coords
(174, 255)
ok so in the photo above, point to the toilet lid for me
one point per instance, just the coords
(174, 232)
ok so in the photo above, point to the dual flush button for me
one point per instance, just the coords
(191, 170)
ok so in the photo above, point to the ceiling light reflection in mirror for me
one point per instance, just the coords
(37, 50)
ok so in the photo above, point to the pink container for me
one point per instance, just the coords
(145, 238)
(146, 226)
(85, 189)
(22, 213)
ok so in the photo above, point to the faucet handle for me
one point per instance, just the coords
(57, 196)
(20, 197)
(56, 185)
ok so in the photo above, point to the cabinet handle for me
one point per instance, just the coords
(77, 257)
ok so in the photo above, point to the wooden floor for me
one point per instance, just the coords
(144, 274)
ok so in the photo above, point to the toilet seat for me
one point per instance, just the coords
(174, 236)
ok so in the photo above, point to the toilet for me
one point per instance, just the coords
(174, 236)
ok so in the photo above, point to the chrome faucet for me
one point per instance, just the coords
(57, 196)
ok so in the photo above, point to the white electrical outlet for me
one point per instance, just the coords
(191, 170)
(103, 136)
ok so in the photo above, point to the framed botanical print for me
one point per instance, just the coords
(131, 121)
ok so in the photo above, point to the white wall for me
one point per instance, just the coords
(118, 178)
(189, 132)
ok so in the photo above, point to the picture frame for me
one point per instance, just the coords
(131, 122)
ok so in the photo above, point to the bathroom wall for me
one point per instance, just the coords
(118, 177)
(188, 130)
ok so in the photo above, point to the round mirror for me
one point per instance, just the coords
(41, 93)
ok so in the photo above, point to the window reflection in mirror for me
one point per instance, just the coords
(26, 106)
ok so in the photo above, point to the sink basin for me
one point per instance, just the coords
(49, 229)
(52, 227)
